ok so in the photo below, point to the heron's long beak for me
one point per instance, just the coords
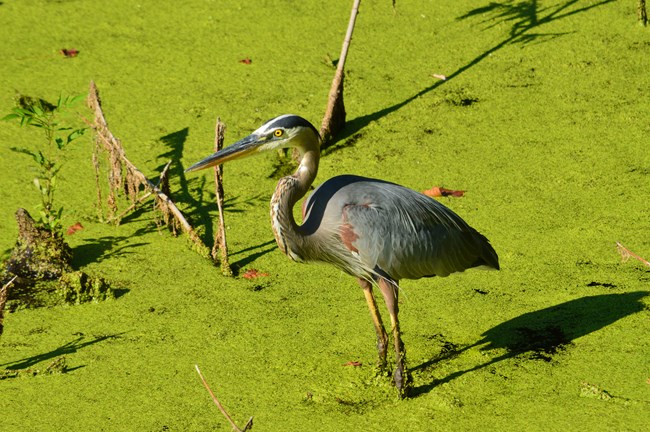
(241, 148)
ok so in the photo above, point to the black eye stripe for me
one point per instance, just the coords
(289, 121)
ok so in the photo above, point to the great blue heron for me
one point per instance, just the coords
(374, 230)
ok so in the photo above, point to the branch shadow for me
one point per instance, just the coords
(198, 201)
(541, 334)
(102, 248)
(191, 192)
(68, 348)
(525, 18)
(261, 249)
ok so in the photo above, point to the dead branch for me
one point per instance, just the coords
(334, 118)
(140, 200)
(124, 175)
(249, 424)
(4, 295)
(130, 208)
(220, 244)
(626, 254)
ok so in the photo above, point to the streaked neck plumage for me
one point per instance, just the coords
(290, 238)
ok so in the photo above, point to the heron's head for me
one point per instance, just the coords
(287, 130)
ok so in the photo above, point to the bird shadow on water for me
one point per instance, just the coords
(541, 334)
(526, 18)
(250, 254)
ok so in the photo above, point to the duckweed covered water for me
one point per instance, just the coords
(543, 120)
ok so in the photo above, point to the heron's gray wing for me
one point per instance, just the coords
(406, 234)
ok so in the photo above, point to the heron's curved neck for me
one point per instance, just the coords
(307, 171)
(288, 192)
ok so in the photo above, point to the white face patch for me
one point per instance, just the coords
(271, 145)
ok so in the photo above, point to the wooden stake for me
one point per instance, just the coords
(220, 244)
(334, 118)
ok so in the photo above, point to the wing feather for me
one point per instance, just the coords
(399, 231)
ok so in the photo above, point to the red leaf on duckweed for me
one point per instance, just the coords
(74, 228)
(246, 61)
(69, 52)
(353, 363)
(438, 191)
(253, 274)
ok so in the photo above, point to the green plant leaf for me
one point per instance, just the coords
(25, 120)
(40, 158)
(23, 150)
(10, 117)
(75, 134)
(75, 99)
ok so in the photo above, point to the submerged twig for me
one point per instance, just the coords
(249, 424)
(133, 178)
(220, 246)
(4, 295)
(626, 254)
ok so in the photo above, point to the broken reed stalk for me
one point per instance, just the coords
(134, 177)
(220, 246)
(334, 118)
(626, 254)
(249, 424)
(4, 295)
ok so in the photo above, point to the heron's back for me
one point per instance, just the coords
(384, 228)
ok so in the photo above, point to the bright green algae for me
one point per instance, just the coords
(543, 122)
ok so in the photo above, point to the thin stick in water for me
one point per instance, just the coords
(626, 254)
(249, 424)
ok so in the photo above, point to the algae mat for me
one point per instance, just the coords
(543, 120)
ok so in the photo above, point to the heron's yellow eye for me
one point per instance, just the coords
(278, 132)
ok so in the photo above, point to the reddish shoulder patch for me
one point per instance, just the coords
(348, 236)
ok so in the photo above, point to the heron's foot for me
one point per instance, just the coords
(403, 380)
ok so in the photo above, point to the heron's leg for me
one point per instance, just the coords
(389, 289)
(382, 336)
